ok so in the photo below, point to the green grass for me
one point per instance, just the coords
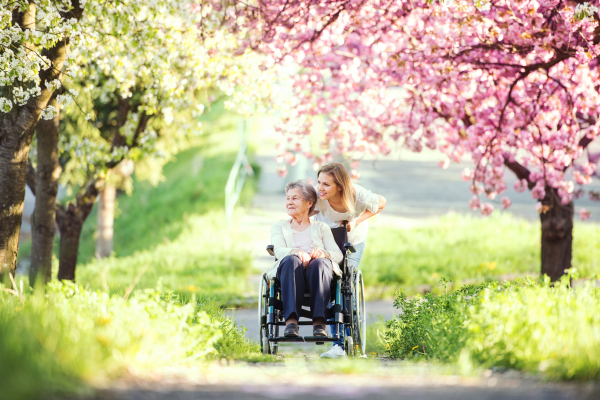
(464, 249)
(531, 326)
(60, 341)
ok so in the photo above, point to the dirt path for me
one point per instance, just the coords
(308, 379)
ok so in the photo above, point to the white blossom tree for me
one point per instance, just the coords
(35, 39)
(146, 77)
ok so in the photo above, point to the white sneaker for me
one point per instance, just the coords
(335, 352)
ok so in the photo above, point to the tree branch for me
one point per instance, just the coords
(520, 171)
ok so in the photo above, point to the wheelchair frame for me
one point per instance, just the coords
(348, 311)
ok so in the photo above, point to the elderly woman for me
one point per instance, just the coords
(307, 255)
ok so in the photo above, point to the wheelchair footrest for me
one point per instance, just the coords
(305, 339)
(304, 323)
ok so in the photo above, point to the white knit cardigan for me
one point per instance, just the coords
(282, 239)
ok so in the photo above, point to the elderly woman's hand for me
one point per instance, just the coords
(304, 257)
(318, 253)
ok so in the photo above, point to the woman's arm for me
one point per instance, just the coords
(367, 214)
(330, 245)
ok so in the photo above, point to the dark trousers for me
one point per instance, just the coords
(295, 280)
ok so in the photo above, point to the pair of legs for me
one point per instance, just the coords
(353, 261)
(296, 280)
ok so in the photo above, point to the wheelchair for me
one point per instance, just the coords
(348, 313)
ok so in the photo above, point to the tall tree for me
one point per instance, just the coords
(512, 83)
(35, 38)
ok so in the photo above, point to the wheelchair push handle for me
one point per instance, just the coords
(348, 246)
(270, 250)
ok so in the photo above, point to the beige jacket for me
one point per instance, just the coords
(282, 239)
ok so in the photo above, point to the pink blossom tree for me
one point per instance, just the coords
(511, 84)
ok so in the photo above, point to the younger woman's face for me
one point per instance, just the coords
(327, 186)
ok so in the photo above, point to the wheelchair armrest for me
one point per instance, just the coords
(270, 249)
(349, 247)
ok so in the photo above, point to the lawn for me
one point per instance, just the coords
(464, 249)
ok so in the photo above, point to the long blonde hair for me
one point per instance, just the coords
(342, 179)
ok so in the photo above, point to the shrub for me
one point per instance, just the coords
(429, 326)
(531, 326)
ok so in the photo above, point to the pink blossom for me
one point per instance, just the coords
(282, 171)
(584, 214)
(505, 202)
(538, 191)
(475, 204)
(466, 175)
(581, 178)
(443, 164)
(579, 193)
(354, 174)
(521, 186)
(487, 208)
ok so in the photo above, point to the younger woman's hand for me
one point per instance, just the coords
(350, 225)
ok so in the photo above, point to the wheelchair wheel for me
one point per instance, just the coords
(262, 312)
(264, 345)
(349, 346)
(360, 318)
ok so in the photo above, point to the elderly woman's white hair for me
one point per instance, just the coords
(308, 192)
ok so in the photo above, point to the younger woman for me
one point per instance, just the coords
(341, 200)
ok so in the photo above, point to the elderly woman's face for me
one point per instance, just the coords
(295, 203)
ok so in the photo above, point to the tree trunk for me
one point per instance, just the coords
(16, 132)
(557, 235)
(43, 221)
(14, 152)
(106, 220)
(70, 221)
(70, 224)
